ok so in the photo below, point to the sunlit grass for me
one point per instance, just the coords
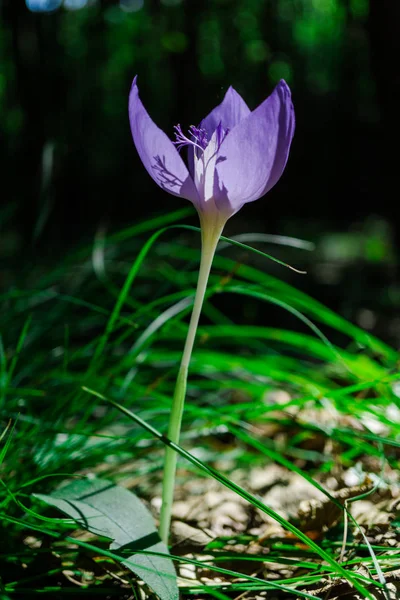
(95, 331)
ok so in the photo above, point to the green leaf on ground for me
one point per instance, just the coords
(114, 512)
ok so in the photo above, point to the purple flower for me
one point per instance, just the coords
(235, 155)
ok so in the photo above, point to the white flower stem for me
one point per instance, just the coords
(211, 229)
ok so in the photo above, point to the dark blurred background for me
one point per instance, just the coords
(68, 164)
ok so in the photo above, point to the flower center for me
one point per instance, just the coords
(199, 138)
(202, 164)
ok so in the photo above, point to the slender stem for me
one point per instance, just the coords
(210, 234)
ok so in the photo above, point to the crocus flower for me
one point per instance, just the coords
(234, 156)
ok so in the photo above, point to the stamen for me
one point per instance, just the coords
(200, 136)
(199, 140)
(221, 135)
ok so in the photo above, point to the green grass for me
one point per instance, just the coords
(89, 351)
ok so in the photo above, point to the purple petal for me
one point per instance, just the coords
(254, 154)
(229, 113)
(157, 152)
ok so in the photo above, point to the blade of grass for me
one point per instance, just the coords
(133, 272)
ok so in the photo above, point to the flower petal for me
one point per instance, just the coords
(229, 113)
(157, 152)
(253, 155)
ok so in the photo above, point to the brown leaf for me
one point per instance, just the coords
(321, 515)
